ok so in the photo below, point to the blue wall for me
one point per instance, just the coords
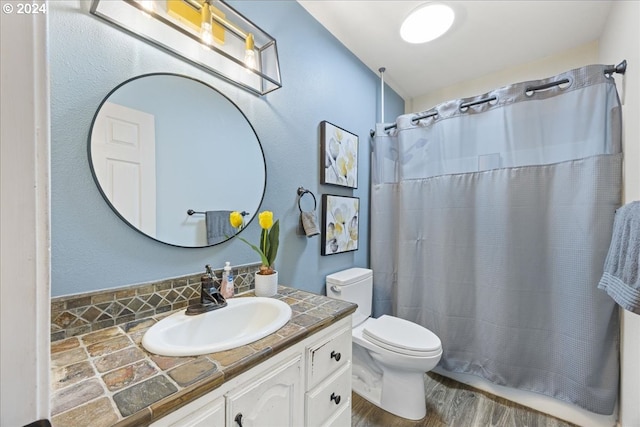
(93, 249)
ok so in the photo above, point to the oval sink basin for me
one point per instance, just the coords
(242, 321)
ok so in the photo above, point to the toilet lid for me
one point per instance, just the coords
(401, 336)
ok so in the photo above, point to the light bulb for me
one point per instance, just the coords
(206, 33)
(148, 5)
(250, 59)
(249, 54)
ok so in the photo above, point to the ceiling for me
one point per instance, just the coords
(486, 36)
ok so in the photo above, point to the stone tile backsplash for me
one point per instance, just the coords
(79, 314)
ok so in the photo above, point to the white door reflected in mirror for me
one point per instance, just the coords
(124, 160)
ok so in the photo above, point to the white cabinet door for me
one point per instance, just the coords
(208, 411)
(272, 400)
(213, 417)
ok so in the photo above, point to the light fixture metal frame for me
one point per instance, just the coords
(267, 63)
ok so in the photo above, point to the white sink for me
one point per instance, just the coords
(241, 322)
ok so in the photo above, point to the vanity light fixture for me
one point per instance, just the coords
(207, 33)
(427, 22)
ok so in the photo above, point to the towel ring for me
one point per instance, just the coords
(302, 192)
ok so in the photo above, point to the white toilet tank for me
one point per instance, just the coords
(353, 285)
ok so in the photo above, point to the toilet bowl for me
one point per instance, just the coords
(390, 355)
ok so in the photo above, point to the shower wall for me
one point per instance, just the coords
(621, 40)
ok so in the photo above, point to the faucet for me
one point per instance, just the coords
(210, 296)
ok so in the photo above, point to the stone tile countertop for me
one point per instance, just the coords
(106, 378)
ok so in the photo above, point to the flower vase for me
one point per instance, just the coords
(266, 285)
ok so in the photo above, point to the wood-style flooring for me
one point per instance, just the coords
(450, 403)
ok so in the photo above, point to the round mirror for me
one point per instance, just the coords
(173, 157)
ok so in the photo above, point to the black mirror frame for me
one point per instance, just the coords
(115, 210)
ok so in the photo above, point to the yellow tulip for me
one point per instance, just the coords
(265, 219)
(235, 218)
(269, 241)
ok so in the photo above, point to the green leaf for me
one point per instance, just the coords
(274, 242)
(263, 258)
(264, 243)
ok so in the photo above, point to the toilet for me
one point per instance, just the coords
(390, 355)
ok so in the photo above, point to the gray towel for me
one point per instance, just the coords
(219, 228)
(621, 279)
(308, 224)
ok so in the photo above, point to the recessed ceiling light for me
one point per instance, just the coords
(426, 23)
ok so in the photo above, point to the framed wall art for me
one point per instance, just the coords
(340, 219)
(338, 156)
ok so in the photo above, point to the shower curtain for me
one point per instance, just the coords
(491, 218)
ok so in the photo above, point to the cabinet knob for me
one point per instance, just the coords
(238, 419)
(335, 398)
(336, 356)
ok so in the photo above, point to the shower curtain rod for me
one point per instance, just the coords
(621, 68)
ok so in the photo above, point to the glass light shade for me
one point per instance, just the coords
(426, 23)
(224, 57)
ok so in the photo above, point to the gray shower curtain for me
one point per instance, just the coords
(491, 221)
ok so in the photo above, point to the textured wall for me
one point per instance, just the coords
(93, 249)
(621, 40)
(533, 70)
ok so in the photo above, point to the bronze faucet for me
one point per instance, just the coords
(210, 296)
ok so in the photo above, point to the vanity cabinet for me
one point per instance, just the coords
(308, 384)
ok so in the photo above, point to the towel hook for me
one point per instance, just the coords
(301, 192)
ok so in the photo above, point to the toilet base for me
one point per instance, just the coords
(398, 406)
(398, 392)
(366, 377)
(403, 394)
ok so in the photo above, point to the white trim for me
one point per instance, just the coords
(24, 219)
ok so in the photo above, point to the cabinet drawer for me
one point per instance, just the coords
(329, 398)
(341, 419)
(328, 356)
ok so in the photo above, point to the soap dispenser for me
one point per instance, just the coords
(227, 289)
